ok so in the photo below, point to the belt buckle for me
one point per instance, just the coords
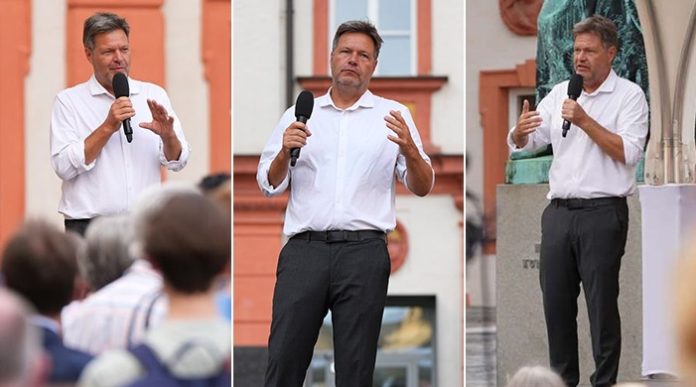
(574, 204)
(335, 236)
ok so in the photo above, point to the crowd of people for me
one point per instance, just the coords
(138, 293)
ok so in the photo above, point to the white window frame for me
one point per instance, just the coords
(372, 16)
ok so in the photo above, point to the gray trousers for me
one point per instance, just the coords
(582, 243)
(348, 278)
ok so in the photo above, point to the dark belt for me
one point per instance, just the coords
(585, 203)
(335, 236)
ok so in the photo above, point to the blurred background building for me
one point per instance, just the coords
(500, 68)
(281, 47)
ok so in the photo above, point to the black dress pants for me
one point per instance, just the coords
(583, 241)
(78, 226)
(350, 279)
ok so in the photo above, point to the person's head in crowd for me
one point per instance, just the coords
(149, 201)
(22, 361)
(213, 181)
(218, 186)
(40, 263)
(188, 239)
(106, 255)
(535, 376)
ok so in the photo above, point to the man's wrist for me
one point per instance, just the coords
(412, 153)
(283, 155)
(169, 138)
(518, 141)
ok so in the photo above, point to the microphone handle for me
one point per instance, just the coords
(295, 152)
(566, 123)
(128, 130)
(566, 126)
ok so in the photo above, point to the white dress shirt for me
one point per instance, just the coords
(111, 183)
(580, 168)
(345, 176)
(116, 315)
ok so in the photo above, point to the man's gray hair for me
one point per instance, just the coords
(100, 23)
(106, 255)
(600, 26)
(362, 27)
(535, 376)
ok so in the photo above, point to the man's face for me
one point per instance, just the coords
(353, 60)
(111, 55)
(592, 60)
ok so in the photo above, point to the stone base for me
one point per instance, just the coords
(250, 365)
(521, 327)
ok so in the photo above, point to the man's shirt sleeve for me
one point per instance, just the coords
(270, 151)
(67, 147)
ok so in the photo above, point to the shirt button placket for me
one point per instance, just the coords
(341, 164)
(128, 170)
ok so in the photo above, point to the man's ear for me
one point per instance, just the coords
(88, 54)
(612, 53)
(374, 68)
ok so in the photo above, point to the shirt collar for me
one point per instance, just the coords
(45, 322)
(367, 100)
(607, 86)
(95, 88)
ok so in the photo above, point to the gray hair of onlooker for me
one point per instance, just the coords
(535, 376)
(361, 27)
(106, 254)
(149, 201)
(20, 341)
(600, 26)
(99, 23)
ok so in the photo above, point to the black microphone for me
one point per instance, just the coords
(120, 86)
(303, 110)
(574, 90)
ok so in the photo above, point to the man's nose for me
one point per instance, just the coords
(119, 56)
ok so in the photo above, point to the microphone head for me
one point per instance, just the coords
(120, 85)
(304, 104)
(575, 86)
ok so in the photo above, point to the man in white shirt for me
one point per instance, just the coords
(340, 208)
(584, 227)
(102, 173)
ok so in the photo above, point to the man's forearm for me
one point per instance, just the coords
(95, 142)
(279, 168)
(419, 176)
(172, 148)
(610, 143)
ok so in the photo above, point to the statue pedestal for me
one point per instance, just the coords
(521, 328)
